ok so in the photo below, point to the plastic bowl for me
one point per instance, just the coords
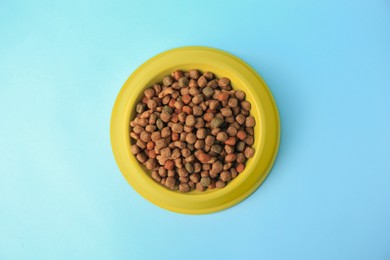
(242, 76)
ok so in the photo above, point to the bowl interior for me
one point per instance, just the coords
(236, 84)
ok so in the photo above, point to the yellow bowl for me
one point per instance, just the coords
(242, 76)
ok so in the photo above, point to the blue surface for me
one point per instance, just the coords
(62, 65)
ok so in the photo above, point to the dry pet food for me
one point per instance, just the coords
(193, 131)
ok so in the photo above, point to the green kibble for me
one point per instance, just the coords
(205, 181)
(183, 82)
(140, 108)
(216, 122)
(167, 81)
(208, 91)
(167, 109)
(159, 124)
(217, 149)
(240, 147)
(189, 167)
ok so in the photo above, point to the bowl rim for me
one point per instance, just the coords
(264, 109)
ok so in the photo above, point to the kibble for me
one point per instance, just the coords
(192, 131)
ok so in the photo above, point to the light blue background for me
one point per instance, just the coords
(62, 65)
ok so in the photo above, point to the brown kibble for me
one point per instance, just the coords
(241, 158)
(193, 91)
(195, 177)
(208, 75)
(145, 136)
(141, 157)
(161, 144)
(169, 165)
(230, 157)
(249, 152)
(208, 117)
(150, 145)
(190, 120)
(240, 167)
(220, 184)
(249, 130)
(223, 96)
(222, 136)
(202, 81)
(162, 171)
(225, 176)
(212, 84)
(250, 121)
(232, 102)
(233, 173)
(229, 119)
(165, 117)
(191, 138)
(231, 131)
(178, 104)
(246, 105)
(199, 144)
(166, 152)
(187, 110)
(214, 104)
(197, 99)
(170, 182)
(177, 128)
(150, 128)
(138, 129)
(185, 152)
(177, 74)
(231, 141)
(241, 135)
(201, 133)
(182, 172)
(141, 144)
(216, 168)
(209, 140)
(223, 82)
(205, 181)
(186, 99)
(151, 164)
(135, 149)
(200, 187)
(155, 176)
(165, 132)
(149, 93)
(226, 112)
(134, 135)
(194, 74)
(184, 187)
(204, 157)
(249, 140)
(240, 118)
(227, 166)
(197, 111)
(199, 123)
(182, 117)
(175, 136)
(240, 95)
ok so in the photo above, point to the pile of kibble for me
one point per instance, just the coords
(193, 131)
